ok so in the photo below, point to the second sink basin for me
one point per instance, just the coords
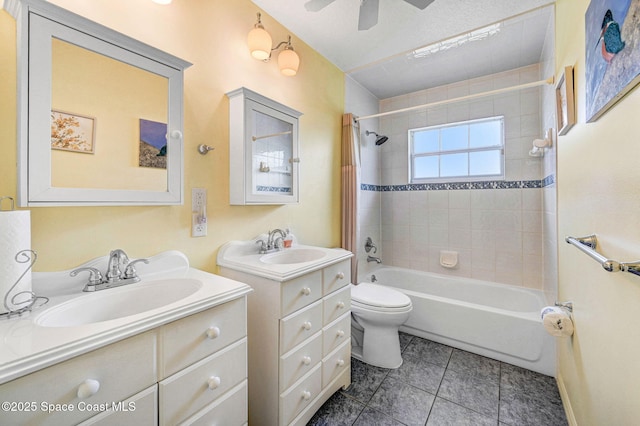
(110, 304)
(293, 255)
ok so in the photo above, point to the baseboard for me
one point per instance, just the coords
(566, 402)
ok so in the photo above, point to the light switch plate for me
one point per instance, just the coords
(198, 212)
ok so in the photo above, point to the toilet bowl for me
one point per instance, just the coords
(376, 314)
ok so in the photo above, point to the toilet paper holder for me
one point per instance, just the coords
(567, 305)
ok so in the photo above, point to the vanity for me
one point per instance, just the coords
(299, 327)
(169, 349)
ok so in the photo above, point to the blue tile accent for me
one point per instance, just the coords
(261, 188)
(488, 184)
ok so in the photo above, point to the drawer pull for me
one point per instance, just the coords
(340, 305)
(306, 291)
(340, 276)
(306, 325)
(306, 395)
(340, 333)
(88, 388)
(213, 332)
(213, 382)
(340, 363)
(306, 360)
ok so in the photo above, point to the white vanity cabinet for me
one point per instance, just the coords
(299, 336)
(192, 370)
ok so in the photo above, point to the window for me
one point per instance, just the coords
(465, 151)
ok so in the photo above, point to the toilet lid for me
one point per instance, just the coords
(378, 295)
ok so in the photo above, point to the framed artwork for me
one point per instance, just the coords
(153, 144)
(73, 132)
(612, 60)
(565, 106)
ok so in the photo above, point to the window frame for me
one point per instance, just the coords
(465, 178)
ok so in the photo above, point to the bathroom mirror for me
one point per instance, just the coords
(263, 150)
(100, 114)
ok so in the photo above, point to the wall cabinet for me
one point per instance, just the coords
(263, 150)
(299, 342)
(190, 371)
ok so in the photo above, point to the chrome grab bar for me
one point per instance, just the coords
(588, 246)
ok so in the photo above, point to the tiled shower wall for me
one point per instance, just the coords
(497, 232)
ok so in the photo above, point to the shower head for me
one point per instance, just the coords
(380, 139)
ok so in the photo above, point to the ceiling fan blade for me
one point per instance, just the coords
(316, 5)
(420, 4)
(368, 16)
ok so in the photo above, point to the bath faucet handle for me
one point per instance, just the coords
(368, 245)
(263, 246)
(130, 270)
(95, 276)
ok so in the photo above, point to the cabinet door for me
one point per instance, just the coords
(271, 165)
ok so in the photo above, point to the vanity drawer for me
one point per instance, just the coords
(121, 369)
(301, 291)
(139, 410)
(294, 400)
(195, 337)
(300, 361)
(336, 276)
(299, 326)
(229, 409)
(186, 392)
(335, 363)
(334, 334)
(336, 304)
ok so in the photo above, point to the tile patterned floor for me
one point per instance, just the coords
(439, 385)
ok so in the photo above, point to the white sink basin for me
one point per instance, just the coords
(289, 256)
(115, 303)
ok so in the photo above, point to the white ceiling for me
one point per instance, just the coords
(380, 58)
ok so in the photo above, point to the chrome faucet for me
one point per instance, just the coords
(373, 259)
(117, 257)
(115, 276)
(273, 243)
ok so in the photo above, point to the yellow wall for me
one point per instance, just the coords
(212, 36)
(598, 192)
(133, 94)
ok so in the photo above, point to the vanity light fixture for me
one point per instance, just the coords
(260, 43)
(162, 1)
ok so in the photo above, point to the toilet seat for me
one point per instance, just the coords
(379, 298)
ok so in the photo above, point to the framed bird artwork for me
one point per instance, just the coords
(612, 47)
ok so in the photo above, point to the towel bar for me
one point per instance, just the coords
(588, 246)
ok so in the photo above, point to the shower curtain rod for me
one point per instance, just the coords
(462, 98)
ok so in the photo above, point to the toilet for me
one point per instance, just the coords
(376, 314)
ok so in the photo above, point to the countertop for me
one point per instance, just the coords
(26, 347)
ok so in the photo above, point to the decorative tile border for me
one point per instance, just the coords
(261, 188)
(549, 180)
(452, 186)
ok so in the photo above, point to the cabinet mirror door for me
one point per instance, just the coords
(273, 155)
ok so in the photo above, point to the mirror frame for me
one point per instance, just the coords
(34, 102)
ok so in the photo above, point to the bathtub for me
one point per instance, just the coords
(498, 321)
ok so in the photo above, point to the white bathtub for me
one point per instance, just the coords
(498, 321)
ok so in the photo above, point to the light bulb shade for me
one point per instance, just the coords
(288, 62)
(259, 42)
(162, 1)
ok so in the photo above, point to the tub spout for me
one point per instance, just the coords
(373, 259)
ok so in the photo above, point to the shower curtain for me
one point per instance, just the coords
(350, 189)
